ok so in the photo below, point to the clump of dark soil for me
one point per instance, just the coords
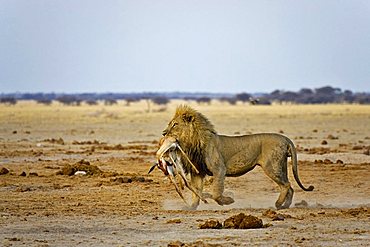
(239, 221)
(211, 224)
(4, 171)
(82, 165)
(94, 142)
(174, 221)
(242, 221)
(316, 150)
(59, 141)
(331, 137)
(325, 161)
(122, 180)
(198, 243)
(275, 216)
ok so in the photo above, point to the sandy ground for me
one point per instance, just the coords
(120, 205)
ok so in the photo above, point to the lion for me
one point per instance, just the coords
(223, 156)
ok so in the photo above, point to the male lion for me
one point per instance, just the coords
(219, 156)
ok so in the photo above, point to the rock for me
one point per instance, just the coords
(4, 171)
(82, 173)
(23, 174)
(324, 142)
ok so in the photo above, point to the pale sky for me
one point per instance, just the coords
(190, 46)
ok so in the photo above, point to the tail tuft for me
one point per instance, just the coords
(310, 188)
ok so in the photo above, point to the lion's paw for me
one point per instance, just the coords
(224, 200)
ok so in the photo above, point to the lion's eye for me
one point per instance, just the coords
(174, 125)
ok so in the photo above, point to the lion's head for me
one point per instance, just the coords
(193, 131)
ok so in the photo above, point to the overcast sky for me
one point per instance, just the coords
(208, 46)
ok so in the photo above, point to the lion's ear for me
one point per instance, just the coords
(187, 118)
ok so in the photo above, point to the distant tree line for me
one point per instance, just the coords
(320, 95)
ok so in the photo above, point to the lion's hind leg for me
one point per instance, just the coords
(289, 198)
(277, 171)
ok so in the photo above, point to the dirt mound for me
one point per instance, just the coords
(239, 221)
(130, 179)
(82, 165)
(211, 224)
(242, 221)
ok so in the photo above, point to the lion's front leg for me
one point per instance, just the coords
(218, 192)
(219, 173)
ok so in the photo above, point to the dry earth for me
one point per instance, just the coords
(120, 205)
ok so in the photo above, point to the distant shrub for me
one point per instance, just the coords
(8, 101)
(204, 100)
(230, 100)
(160, 100)
(110, 102)
(91, 102)
(69, 100)
(362, 98)
(44, 101)
(131, 100)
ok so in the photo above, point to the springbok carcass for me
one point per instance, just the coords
(169, 162)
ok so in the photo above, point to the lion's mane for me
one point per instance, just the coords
(195, 140)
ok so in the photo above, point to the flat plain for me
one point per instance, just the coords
(42, 202)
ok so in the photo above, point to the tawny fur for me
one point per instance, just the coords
(220, 156)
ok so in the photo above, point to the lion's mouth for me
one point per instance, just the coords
(169, 162)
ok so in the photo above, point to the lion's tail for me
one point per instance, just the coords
(293, 153)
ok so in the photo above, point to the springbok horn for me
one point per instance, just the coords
(187, 158)
(152, 168)
(177, 189)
